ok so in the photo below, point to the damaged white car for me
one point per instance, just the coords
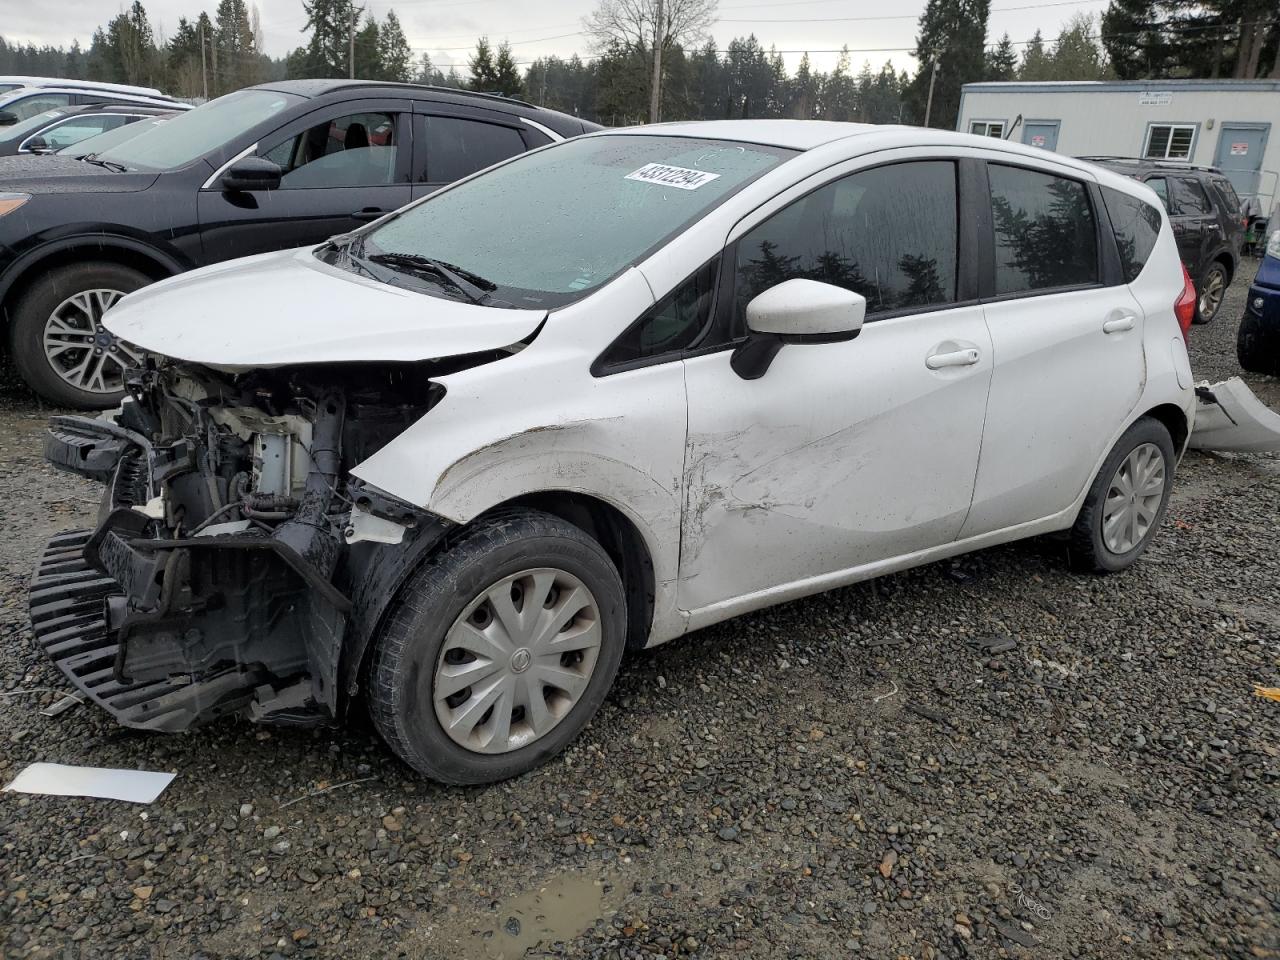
(596, 397)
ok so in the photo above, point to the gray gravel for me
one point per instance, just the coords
(991, 757)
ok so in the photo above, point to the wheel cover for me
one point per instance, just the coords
(1215, 288)
(516, 661)
(1133, 499)
(80, 350)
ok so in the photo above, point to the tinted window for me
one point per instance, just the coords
(1136, 225)
(1044, 230)
(1189, 197)
(1230, 199)
(352, 151)
(550, 226)
(79, 128)
(888, 234)
(1161, 187)
(671, 325)
(457, 148)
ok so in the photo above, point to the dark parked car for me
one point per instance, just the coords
(269, 167)
(1208, 222)
(1258, 341)
(52, 130)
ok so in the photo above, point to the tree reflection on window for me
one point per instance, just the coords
(1044, 231)
(888, 233)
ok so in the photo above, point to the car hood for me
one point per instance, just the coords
(54, 174)
(278, 309)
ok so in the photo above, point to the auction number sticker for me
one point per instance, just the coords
(665, 175)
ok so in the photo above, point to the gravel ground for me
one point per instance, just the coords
(854, 774)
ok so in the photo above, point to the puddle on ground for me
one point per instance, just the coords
(559, 909)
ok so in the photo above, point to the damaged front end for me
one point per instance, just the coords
(236, 567)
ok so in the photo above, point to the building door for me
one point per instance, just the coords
(1239, 156)
(1041, 133)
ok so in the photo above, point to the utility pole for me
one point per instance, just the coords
(351, 43)
(655, 89)
(204, 70)
(933, 76)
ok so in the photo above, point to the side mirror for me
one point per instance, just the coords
(796, 311)
(37, 144)
(252, 173)
(8, 118)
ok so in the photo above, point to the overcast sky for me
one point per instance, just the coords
(447, 29)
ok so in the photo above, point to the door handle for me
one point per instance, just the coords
(368, 213)
(956, 358)
(1119, 324)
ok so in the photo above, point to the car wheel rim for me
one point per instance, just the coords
(517, 660)
(80, 350)
(1133, 499)
(1211, 298)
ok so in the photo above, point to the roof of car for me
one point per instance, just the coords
(794, 134)
(110, 96)
(322, 87)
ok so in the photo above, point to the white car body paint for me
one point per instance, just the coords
(846, 461)
(314, 313)
(1236, 421)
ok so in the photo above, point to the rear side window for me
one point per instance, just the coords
(1045, 232)
(457, 148)
(1189, 197)
(888, 233)
(1136, 225)
(1230, 199)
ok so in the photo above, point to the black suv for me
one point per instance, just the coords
(1206, 216)
(265, 168)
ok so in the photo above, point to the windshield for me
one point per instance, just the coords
(545, 229)
(191, 135)
(108, 139)
(19, 130)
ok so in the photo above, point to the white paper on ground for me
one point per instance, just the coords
(57, 779)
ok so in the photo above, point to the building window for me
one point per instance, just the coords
(1169, 141)
(987, 128)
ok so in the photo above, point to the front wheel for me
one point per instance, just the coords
(58, 341)
(499, 651)
(1213, 289)
(1127, 500)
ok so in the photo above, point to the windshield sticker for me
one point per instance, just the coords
(665, 175)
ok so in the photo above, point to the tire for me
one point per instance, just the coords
(78, 293)
(1210, 292)
(1257, 347)
(445, 600)
(1090, 546)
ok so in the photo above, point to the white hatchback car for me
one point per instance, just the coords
(599, 396)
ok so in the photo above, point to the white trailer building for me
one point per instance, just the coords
(1223, 123)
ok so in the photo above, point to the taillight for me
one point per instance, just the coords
(1184, 308)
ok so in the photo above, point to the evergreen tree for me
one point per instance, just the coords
(234, 47)
(393, 50)
(1037, 64)
(951, 37)
(326, 53)
(1076, 54)
(506, 75)
(484, 75)
(802, 92)
(1001, 61)
(368, 51)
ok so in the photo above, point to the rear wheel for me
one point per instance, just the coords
(1213, 288)
(58, 342)
(1257, 346)
(1127, 500)
(499, 651)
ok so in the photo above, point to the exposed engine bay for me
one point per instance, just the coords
(236, 566)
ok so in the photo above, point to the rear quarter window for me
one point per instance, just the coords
(1229, 197)
(1136, 224)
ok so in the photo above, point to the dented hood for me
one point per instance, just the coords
(284, 308)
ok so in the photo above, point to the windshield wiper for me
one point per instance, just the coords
(473, 289)
(106, 164)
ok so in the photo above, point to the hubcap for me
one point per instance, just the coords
(516, 661)
(1214, 288)
(81, 350)
(1133, 499)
